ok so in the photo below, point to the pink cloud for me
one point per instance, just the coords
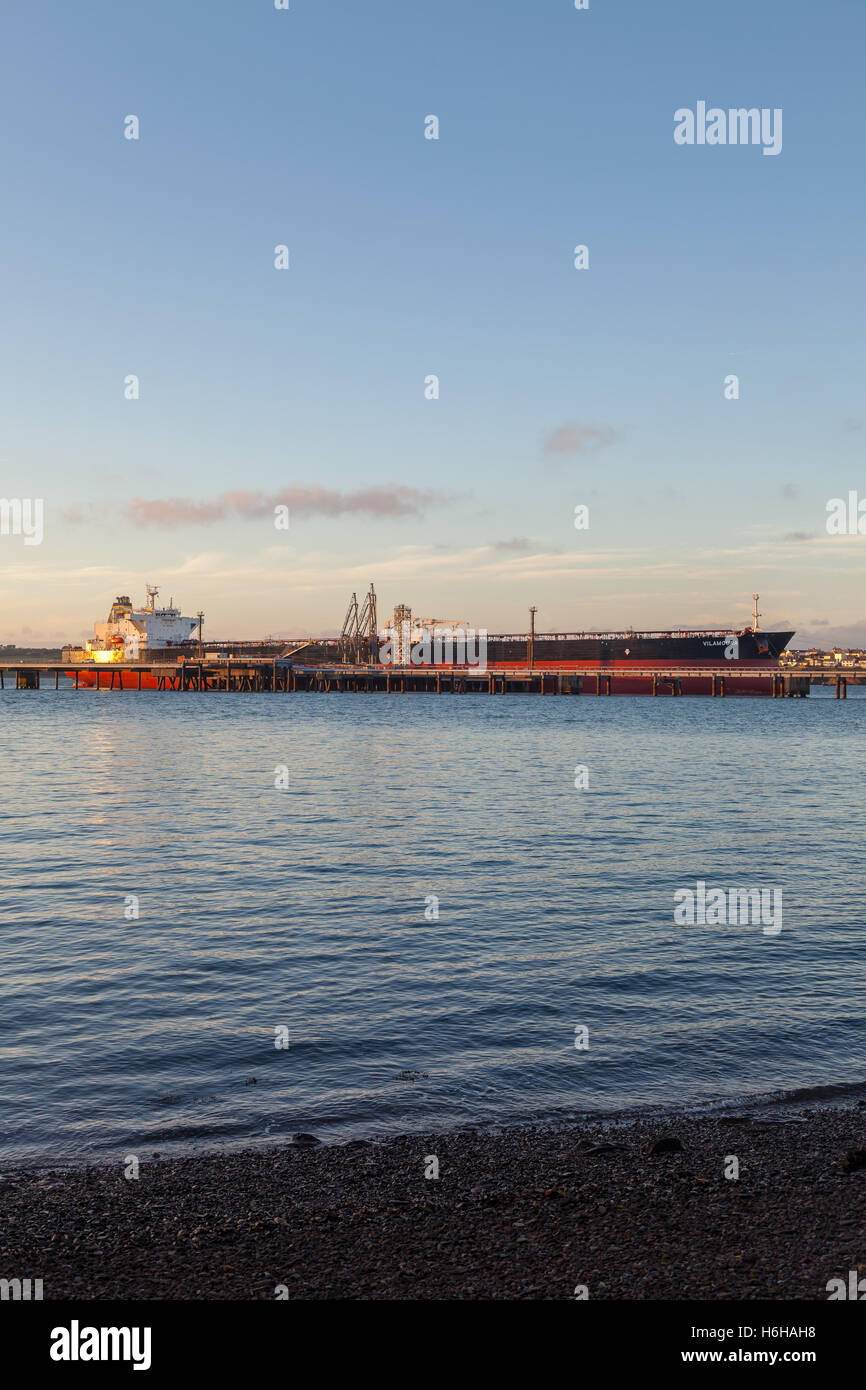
(578, 439)
(392, 500)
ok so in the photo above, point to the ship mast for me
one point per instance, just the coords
(755, 614)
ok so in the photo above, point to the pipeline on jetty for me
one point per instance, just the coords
(280, 676)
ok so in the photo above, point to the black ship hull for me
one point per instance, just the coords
(617, 651)
(637, 648)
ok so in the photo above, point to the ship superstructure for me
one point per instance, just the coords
(137, 634)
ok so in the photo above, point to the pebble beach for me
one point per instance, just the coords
(639, 1210)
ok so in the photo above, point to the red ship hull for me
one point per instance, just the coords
(623, 682)
(618, 677)
(112, 679)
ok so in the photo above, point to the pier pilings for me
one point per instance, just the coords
(273, 676)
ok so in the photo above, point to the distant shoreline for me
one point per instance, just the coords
(519, 1213)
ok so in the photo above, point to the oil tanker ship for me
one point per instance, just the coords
(147, 636)
(681, 652)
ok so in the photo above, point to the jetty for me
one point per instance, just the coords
(275, 675)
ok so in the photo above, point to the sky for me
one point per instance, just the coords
(412, 258)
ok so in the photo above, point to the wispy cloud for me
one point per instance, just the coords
(578, 439)
(391, 500)
(210, 562)
(519, 543)
(820, 633)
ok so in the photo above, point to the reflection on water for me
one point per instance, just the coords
(309, 909)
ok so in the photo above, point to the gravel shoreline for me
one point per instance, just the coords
(521, 1213)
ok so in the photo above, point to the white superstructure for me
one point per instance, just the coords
(131, 632)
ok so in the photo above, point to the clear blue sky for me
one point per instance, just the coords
(411, 257)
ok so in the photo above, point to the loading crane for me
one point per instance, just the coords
(359, 636)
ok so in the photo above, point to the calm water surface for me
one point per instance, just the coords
(304, 908)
